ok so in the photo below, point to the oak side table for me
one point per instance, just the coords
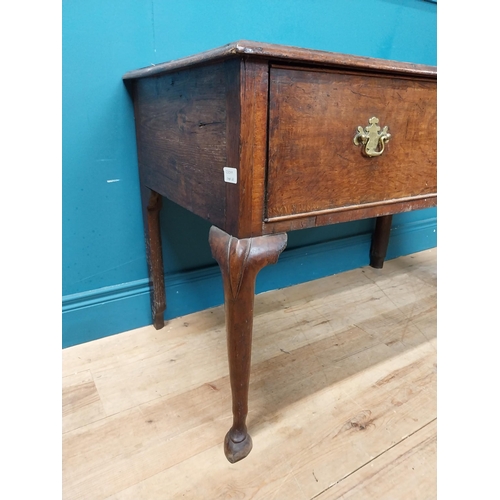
(262, 139)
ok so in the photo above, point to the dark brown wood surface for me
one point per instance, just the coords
(283, 53)
(380, 241)
(151, 206)
(288, 132)
(240, 260)
(328, 217)
(181, 138)
(314, 164)
(251, 150)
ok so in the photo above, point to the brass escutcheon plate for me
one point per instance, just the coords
(372, 138)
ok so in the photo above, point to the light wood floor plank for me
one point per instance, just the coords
(404, 471)
(343, 372)
(313, 442)
(81, 403)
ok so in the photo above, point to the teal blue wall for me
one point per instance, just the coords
(104, 267)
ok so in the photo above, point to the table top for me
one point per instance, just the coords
(285, 53)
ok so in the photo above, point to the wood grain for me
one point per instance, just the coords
(343, 397)
(151, 206)
(253, 146)
(313, 163)
(240, 260)
(247, 105)
(282, 53)
(181, 138)
(284, 118)
(325, 217)
(404, 471)
(81, 403)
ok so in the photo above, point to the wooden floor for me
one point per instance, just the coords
(342, 398)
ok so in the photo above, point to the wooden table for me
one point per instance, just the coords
(262, 139)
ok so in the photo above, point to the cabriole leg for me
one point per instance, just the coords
(240, 260)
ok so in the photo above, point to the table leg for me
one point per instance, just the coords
(380, 241)
(151, 205)
(240, 260)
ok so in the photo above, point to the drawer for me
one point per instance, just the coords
(313, 163)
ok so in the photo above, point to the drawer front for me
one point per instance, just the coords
(313, 163)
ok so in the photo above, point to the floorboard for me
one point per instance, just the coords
(342, 398)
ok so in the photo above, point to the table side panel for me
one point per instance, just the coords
(181, 135)
(314, 165)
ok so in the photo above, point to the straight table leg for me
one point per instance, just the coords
(151, 205)
(240, 261)
(380, 241)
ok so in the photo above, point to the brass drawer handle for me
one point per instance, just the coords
(372, 138)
